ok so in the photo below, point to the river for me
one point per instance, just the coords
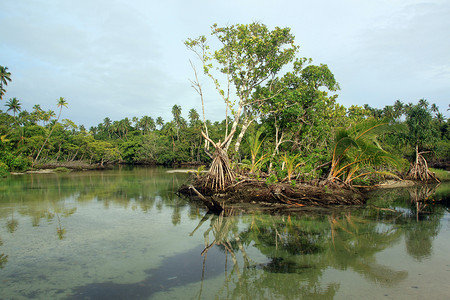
(125, 234)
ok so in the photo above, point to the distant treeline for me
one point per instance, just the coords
(155, 141)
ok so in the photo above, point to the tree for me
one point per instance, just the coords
(176, 112)
(14, 105)
(5, 77)
(38, 113)
(193, 117)
(61, 103)
(107, 125)
(298, 108)
(160, 122)
(147, 124)
(420, 133)
(250, 55)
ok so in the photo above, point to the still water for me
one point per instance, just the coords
(125, 234)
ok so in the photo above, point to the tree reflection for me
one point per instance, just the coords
(297, 249)
(3, 257)
(42, 197)
(421, 231)
(355, 243)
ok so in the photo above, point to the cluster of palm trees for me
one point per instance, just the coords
(5, 77)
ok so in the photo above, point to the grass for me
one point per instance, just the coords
(442, 175)
(61, 170)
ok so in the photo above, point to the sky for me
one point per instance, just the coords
(126, 58)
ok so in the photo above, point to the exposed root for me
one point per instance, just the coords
(220, 174)
(419, 170)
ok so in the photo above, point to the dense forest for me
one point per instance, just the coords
(281, 127)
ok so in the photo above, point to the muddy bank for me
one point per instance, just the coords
(273, 196)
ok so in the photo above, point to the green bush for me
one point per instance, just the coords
(3, 170)
(61, 170)
(20, 163)
(271, 179)
(15, 163)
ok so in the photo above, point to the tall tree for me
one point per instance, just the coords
(420, 133)
(107, 125)
(176, 112)
(146, 124)
(250, 55)
(61, 103)
(5, 77)
(14, 105)
(193, 117)
(160, 122)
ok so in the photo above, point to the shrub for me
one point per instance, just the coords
(3, 170)
(61, 170)
(271, 179)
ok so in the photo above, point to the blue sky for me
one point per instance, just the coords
(126, 58)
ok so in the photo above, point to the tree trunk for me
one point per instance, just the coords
(245, 126)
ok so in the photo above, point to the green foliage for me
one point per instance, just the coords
(420, 129)
(357, 150)
(271, 179)
(4, 169)
(291, 164)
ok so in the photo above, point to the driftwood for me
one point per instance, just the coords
(210, 203)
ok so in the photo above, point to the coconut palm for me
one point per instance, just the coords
(176, 112)
(61, 103)
(146, 124)
(160, 122)
(14, 105)
(193, 117)
(107, 125)
(37, 112)
(399, 108)
(5, 76)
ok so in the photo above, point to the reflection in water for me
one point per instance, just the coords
(136, 239)
(304, 245)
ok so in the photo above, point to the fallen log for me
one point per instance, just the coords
(212, 205)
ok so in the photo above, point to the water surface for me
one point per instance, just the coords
(125, 234)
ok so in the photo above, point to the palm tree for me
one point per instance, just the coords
(399, 108)
(38, 113)
(423, 103)
(435, 109)
(193, 117)
(61, 103)
(356, 149)
(160, 122)
(176, 112)
(14, 105)
(146, 124)
(5, 76)
(107, 125)
(135, 120)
